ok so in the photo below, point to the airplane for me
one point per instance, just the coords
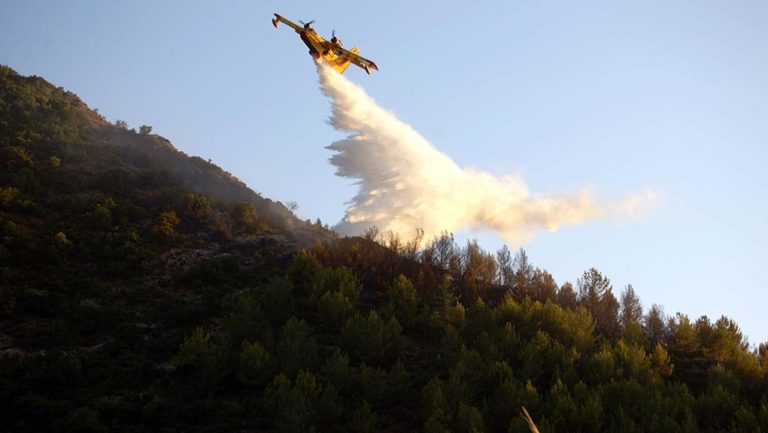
(332, 51)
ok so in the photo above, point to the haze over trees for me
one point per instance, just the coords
(144, 290)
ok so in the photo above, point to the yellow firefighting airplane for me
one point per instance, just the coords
(337, 56)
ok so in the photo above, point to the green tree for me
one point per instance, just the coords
(338, 371)
(167, 223)
(254, 365)
(402, 300)
(595, 294)
(469, 419)
(437, 413)
(292, 407)
(655, 325)
(369, 339)
(197, 350)
(631, 307)
(297, 348)
(246, 217)
(340, 279)
(364, 419)
(543, 286)
(307, 274)
(631, 359)
(246, 320)
(523, 274)
(334, 308)
(197, 208)
(201, 357)
(566, 296)
(280, 295)
(687, 351)
(474, 277)
(661, 361)
(631, 317)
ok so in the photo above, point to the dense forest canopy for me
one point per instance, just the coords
(144, 290)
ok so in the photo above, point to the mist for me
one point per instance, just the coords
(405, 183)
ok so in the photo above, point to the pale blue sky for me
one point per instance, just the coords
(671, 96)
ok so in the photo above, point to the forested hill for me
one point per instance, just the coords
(41, 123)
(143, 290)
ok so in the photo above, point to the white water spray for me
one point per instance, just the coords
(405, 183)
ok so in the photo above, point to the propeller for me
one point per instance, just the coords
(306, 24)
(334, 38)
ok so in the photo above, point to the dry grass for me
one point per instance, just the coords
(529, 420)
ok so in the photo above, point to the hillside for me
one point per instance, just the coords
(145, 290)
(41, 121)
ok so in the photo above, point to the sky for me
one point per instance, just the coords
(623, 97)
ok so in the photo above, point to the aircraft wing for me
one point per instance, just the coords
(286, 21)
(354, 58)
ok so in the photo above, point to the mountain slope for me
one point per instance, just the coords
(40, 121)
(142, 290)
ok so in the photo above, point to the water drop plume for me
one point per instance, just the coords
(405, 183)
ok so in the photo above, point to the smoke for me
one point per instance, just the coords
(405, 183)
